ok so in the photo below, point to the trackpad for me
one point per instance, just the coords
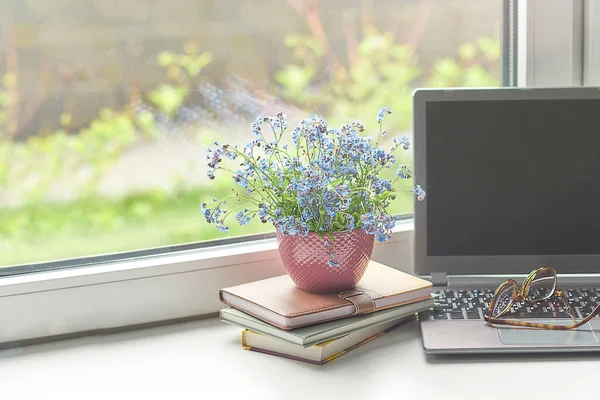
(529, 336)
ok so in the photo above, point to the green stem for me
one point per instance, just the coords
(256, 189)
(257, 169)
(237, 208)
(379, 135)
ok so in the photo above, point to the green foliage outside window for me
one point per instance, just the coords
(384, 72)
(381, 72)
(180, 70)
(474, 66)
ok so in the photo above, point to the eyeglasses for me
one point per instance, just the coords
(539, 285)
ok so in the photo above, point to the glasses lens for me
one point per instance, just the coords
(542, 286)
(503, 299)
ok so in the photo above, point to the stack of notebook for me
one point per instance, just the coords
(278, 318)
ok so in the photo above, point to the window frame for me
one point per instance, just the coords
(162, 288)
(591, 42)
(550, 43)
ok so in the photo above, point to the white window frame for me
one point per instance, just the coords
(149, 290)
(185, 284)
(591, 40)
(550, 43)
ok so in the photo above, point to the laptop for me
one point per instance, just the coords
(512, 177)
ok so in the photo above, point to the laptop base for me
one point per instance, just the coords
(464, 336)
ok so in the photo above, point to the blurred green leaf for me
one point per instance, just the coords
(141, 208)
(477, 76)
(446, 73)
(9, 80)
(166, 58)
(145, 121)
(489, 47)
(194, 64)
(317, 47)
(66, 119)
(374, 43)
(291, 40)
(168, 98)
(295, 80)
(401, 53)
(467, 51)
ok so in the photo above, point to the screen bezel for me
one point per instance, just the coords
(485, 265)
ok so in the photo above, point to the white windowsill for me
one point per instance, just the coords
(204, 360)
(154, 289)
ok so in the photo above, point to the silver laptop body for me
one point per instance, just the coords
(512, 177)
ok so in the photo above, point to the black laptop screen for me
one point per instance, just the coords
(513, 177)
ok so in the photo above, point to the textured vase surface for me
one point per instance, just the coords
(305, 259)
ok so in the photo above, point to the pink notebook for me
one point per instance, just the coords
(277, 301)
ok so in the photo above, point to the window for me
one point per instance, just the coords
(107, 107)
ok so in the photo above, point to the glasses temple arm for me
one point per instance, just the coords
(589, 317)
(494, 321)
(565, 300)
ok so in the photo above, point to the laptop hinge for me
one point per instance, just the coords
(439, 279)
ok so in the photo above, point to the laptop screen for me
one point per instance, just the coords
(513, 177)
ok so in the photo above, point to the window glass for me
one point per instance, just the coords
(107, 107)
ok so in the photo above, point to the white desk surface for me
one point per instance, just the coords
(203, 360)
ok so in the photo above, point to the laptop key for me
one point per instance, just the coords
(456, 315)
(440, 316)
(586, 310)
(473, 314)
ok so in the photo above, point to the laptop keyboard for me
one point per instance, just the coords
(473, 304)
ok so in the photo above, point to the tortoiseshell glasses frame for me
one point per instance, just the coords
(539, 285)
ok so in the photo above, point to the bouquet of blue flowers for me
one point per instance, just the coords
(325, 180)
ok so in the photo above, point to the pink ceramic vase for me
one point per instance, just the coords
(305, 259)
